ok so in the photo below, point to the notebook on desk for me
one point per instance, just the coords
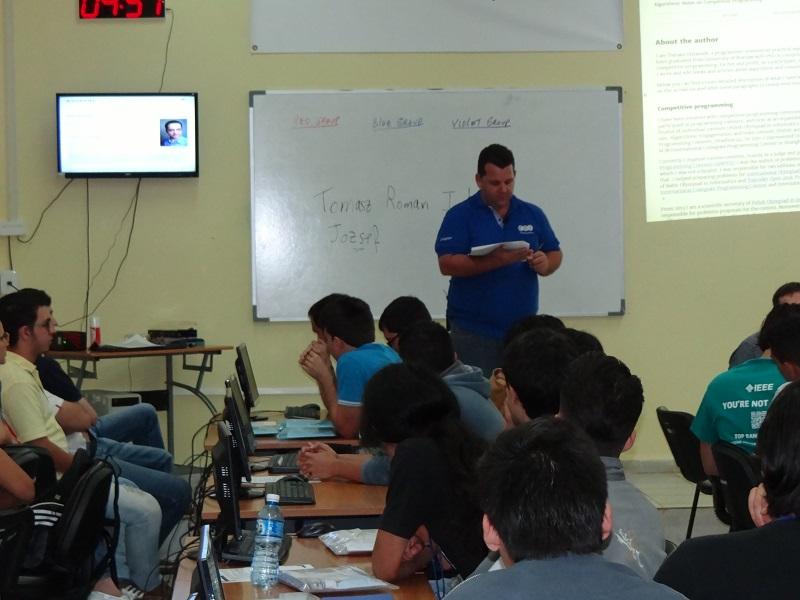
(293, 429)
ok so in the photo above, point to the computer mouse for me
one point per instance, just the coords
(294, 477)
(315, 529)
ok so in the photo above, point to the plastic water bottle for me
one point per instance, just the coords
(266, 554)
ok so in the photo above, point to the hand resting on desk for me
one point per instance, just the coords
(319, 461)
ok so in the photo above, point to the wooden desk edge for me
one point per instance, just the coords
(133, 353)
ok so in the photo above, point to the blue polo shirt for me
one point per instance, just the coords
(488, 304)
(355, 368)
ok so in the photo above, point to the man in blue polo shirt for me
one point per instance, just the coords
(489, 292)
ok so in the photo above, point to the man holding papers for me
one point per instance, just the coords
(494, 247)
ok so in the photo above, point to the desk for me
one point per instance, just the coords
(267, 442)
(206, 366)
(334, 499)
(306, 551)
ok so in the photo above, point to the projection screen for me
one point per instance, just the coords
(721, 100)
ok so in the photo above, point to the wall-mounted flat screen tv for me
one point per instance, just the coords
(127, 135)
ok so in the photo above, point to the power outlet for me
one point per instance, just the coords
(8, 282)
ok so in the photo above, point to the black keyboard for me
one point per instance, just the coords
(284, 463)
(292, 491)
(302, 412)
(241, 550)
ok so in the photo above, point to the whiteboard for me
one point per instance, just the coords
(434, 25)
(349, 189)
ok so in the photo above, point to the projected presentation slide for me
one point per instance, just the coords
(721, 99)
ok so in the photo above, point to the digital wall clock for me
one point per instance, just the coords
(121, 9)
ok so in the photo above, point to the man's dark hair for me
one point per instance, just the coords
(402, 313)
(543, 487)
(19, 310)
(602, 397)
(583, 340)
(349, 319)
(535, 364)
(167, 124)
(778, 447)
(316, 308)
(530, 323)
(498, 155)
(428, 344)
(793, 287)
(781, 333)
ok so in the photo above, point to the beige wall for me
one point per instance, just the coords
(693, 289)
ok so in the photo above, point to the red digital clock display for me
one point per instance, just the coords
(120, 9)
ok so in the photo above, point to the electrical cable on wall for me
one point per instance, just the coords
(131, 210)
(41, 217)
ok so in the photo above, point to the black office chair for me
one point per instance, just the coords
(739, 472)
(16, 525)
(685, 448)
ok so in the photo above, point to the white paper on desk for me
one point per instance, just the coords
(332, 579)
(263, 479)
(243, 573)
(350, 541)
(486, 249)
(134, 341)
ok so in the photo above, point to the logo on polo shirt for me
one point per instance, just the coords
(525, 228)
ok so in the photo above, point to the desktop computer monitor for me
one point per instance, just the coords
(209, 584)
(238, 447)
(239, 416)
(227, 479)
(245, 371)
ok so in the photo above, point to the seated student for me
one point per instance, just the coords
(430, 512)
(781, 333)
(788, 293)
(149, 468)
(497, 381)
(348, 335)
(603, 398)
(535, 365)
(137, 424)
(736, 400)
(400, 314)
(758, 563)
(29, 318)
(543, 491)
(428, 344)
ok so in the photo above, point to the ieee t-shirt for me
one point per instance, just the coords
(355, 368)
(736, 402)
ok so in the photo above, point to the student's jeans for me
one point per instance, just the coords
(137, 424)
(150, 469)
(137, 547)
